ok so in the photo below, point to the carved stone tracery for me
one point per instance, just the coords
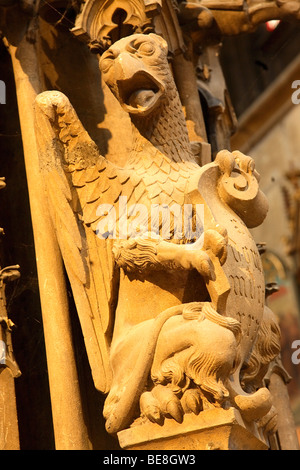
(102, 22)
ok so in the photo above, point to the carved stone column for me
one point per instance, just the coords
(69, 427)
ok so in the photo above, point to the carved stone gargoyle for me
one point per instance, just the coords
(167, 280)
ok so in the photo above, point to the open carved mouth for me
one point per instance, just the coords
(140, 94)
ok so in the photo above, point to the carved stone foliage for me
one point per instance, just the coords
(102, 22)
(166, 277)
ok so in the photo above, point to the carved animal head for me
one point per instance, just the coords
(136, 70)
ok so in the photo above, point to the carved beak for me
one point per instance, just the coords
(139, 91)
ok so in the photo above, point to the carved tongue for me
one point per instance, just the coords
(140, 98)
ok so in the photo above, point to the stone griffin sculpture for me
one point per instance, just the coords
(175, 323)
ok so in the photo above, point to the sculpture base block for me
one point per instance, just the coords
(214, 429)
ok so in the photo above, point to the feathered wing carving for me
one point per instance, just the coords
(77, 179)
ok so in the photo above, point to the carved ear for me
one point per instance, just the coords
(161, 41)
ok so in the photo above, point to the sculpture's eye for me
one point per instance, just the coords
(146, 48)
(143, 48)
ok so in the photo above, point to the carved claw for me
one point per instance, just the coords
(191, 401)
(198, 255)
(149, 406)
(170, 405)
(159, 403)
(197, 259)
(216, 241)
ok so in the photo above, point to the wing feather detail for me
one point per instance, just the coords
(77, 178)
(77, 181)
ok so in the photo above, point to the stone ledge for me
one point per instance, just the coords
(214, 429)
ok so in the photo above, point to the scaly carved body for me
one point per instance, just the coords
(244, 271)
(243, 267)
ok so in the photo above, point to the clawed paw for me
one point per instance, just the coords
(163, 403)
(191, 401)
(159, 403)
(216, 241)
